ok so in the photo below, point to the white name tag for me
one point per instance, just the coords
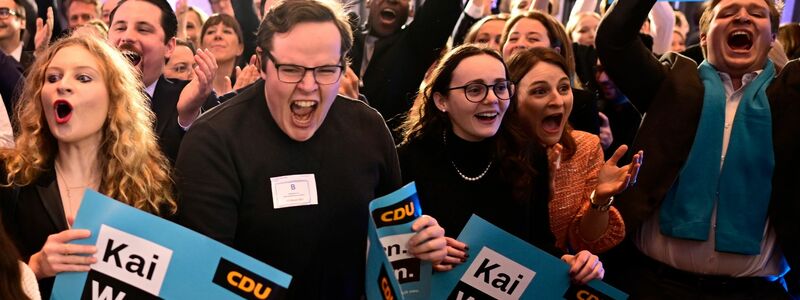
(294, 190)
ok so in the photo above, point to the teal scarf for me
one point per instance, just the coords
(742, 188)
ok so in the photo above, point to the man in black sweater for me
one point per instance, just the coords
(289, 182)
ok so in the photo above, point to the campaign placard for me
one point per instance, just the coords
(141, 256)
(389, 231)
(502, 266)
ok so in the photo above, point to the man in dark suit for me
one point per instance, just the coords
(713, 215)
(144, 30)
(391, 60)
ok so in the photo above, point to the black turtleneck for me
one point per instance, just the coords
(448, 197)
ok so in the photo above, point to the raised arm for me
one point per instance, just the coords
(634, 69)
(664, 21)
(582, 6)
(432, 25)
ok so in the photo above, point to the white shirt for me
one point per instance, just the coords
(29, 284)
(17, 53)
(6, 133)
(700, 256)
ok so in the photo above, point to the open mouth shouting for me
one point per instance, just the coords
(552, 124)
(62, 110)
(131, 54)
(388, 16)
(302, 111)
(740, 40)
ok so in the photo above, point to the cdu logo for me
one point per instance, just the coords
(246, 284)
(398, 213)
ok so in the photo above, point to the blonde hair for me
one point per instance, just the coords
(133, 169)
(573, 22)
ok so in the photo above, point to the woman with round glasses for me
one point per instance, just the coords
(463, 148)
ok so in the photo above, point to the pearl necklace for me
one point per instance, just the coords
(465, 177)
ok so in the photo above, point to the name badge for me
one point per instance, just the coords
(294, 190)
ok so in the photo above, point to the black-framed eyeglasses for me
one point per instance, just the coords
(288, 73)
(477, 92)
(6, 12)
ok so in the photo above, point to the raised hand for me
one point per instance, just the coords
(197, 91)
(612, 180)
(43, 32)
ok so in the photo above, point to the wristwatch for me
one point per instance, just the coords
(600, 207)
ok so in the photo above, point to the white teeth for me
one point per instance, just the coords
(487, 114)
(304, 104)
(735, 33)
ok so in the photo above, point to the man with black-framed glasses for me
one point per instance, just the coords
(285, 170)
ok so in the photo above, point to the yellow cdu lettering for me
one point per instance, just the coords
(234, 275)
(247, 284)
(585, 295)
(262, 292)
(387, 289)
(386, 216)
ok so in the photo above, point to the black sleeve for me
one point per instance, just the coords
(432, 25)
(584, 115)
(631, 66)
(10, 77)
(248, 21)
(207, 183)
(463, 25)
(390, 174)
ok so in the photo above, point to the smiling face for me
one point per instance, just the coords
(10, 28)
(739, 36)
(526, 33)
(223, 42)
(387, 16)
(136, 30)
(585, 30)
(475, 121)
(300, 108)
(545, 101)
(75, 98)
(489, 34)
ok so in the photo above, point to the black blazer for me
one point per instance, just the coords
(670, 93)
(30, 215)
(399, 62)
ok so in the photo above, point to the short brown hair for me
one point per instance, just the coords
(223, 19)
(284, 15)
(708, 14)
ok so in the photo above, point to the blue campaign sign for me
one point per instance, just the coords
(389, 232)
(141, 256)
(502, 266)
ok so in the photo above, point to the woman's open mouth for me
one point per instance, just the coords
(63, 111)
(552, 123)
(488, 116)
